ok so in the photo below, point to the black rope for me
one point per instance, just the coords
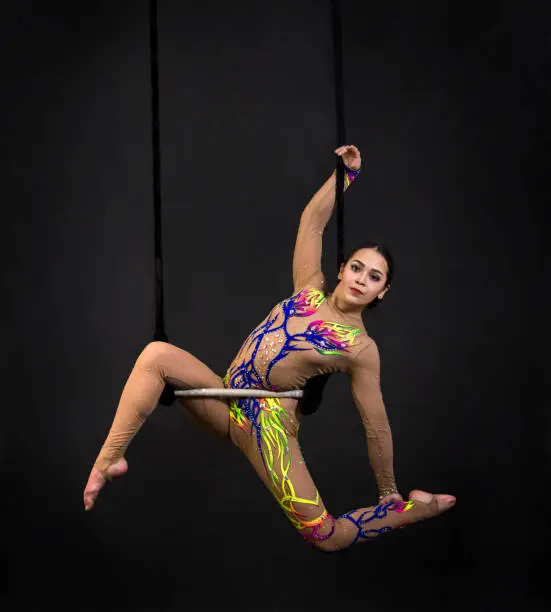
(340, 125)
(314, 387)
(160, 333)
(167, 398)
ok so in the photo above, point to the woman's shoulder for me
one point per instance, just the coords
(366, 353)
(363, 342)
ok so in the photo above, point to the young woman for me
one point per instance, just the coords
(312, 332)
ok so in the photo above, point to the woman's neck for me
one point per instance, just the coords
(343, 307)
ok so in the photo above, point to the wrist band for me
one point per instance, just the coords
(388, 491)
(354, 172)
(350, 176)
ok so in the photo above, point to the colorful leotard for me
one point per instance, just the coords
(301, 337)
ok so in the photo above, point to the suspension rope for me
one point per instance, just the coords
(340, 124)
(167, 397)
(160, 333)
(313, 390)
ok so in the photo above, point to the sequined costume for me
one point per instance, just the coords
(303, 336)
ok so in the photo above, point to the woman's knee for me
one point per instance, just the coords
(329, 537)
(155, 353)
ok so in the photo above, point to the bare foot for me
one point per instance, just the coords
(97, 480)
(428, 505)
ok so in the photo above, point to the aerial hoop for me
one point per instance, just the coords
(214, 392)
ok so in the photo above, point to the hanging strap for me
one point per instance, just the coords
(313, 390)
(160, 333)
(167, 397)
(340, 125)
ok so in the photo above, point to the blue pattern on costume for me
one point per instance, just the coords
(364, 533)
(325, 337)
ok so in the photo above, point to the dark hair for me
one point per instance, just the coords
(382, 250)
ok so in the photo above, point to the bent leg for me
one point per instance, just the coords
(272, 446)
(158, 364)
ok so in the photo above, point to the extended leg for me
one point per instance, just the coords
(272, 447)
(158, 364)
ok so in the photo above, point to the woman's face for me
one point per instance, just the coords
(363, 278)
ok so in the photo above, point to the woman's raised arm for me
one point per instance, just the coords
(307, 256)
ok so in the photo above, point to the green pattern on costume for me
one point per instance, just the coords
(278, 456)
(329, 338)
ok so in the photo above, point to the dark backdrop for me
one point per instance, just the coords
(449, 107)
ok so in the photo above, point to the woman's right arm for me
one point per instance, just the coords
(307, 256)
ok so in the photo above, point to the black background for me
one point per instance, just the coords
(448, 103)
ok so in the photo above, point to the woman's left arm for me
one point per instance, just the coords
(307, 254)
(366, 391)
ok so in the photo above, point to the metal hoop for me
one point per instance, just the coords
(297, 394)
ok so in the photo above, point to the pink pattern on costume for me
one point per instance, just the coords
(307, 302)
(331, 338)
(401, 506)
